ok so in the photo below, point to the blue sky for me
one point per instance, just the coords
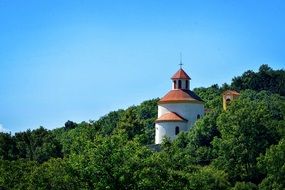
(77, 60)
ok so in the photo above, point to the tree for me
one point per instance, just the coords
(147, 114)
(39, 144)
(130, 123)
(7, 147)
(272, 164)
(69, 125)
(106, 124)
(54, 174)
(241, 148)
(73, 140)
(109, 162)
(211, 96)
(15, 174)
(208, 178)
(157, 172)
(265, 79)
(247, 129)
(244, 186)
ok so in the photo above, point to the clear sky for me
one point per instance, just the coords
(78, 59)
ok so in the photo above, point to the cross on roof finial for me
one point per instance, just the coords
(180, 61)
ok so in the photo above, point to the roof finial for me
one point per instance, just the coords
(180, 61)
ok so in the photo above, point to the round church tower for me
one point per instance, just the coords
(178, 109)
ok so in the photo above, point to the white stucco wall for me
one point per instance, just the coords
(167, 129)
(187, 110)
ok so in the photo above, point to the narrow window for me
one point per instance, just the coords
(179, 84)
(187, 84)
(198, 116)
(174, 84)
(176, 130)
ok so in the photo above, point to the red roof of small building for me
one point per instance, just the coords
(233, 92)
(179, 95)
(180, 74)
(171, 116)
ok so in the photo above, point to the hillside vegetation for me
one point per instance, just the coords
(241, 148)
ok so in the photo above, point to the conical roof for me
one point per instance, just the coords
(179, 95)
(180, 74)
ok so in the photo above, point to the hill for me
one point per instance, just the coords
(241, 148)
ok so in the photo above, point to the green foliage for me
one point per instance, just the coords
(69, 125)
(39, 145)
(157, 173)
(130, 123)
(205, 130)
(244, 186)
(56, 173)
(265, 79)
(7, 147)
(147, 114)
(194, 147)
(106, 124)
(15, 174)
(273, 165)
(109, 162)
(136, 121)
(209, 178)
(241, 148)
(246, 131)
(211, 96)
(72, 140)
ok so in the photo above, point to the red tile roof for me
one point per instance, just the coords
(171, 116)
(180, 74)
(179, 95)
(233, 92)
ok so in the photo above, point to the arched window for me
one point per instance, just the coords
(176, 130)
(174, 82)
(198, 116)
(228, 100)
(187, 84)
(179, 84)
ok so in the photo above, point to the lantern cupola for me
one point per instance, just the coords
(180, 80)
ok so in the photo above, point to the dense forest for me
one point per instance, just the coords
(241, 148)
